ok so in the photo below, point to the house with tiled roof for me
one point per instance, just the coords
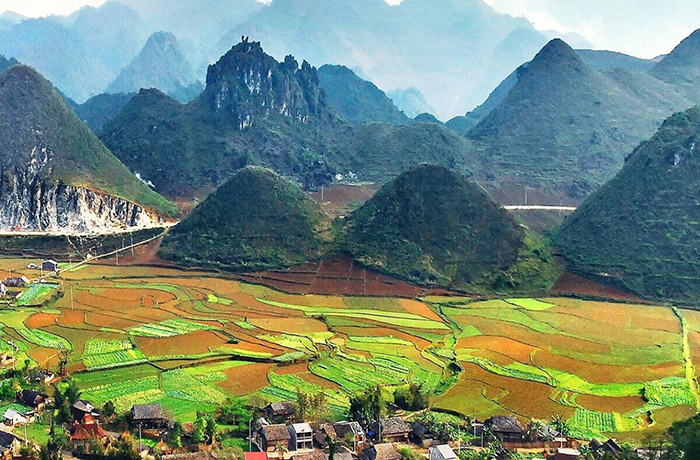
(392, 429)
(385, 451)
(272, 436)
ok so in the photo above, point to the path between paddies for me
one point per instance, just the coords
(690, 371)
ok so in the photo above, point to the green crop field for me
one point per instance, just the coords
(190, 341)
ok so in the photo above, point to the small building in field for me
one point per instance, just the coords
(16, 281)
(83, 408)
(9, 444)
(32, 399)
(442, 452)
(507, 429)
(87, 430)
(45, 376)
(348, 432)
(392, 429)
(6, 359)
(15, 417)
(301, 436)
(565, 453)
(149, 416)
(32, 266)
(272, 436)
(283, 409)
(49, 266)
(385, 451)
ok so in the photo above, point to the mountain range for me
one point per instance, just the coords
(562, 127)
(55, 173)
(258, 111)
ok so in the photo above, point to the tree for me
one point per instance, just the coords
(210, 429)
(177, 433)
(72, 392)
(367, 406)
(63, 359)
(233, 413)
(561, 425)
(686, 436)
(280, 449)
(198, 429)
(108, 410)
(411, 398)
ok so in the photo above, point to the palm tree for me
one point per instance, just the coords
(281, 449)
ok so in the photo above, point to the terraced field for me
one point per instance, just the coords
(192, 340)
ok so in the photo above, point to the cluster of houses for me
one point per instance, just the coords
(18, 282)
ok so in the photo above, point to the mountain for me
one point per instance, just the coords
(80, 54)
(432, 226)
(356, 100)
(641, 228)
(604, 60)
(280, 227)
(100, 109)
(454, 51)
(257, 111)
(9, 19)
(55, 174)
(563, 127)
(160, 64)
(6, 63)
(682, 67)
(411, 102)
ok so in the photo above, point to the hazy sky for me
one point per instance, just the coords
(644, 28)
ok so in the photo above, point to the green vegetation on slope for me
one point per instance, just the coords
(643, 227)
(35, 119)
(257, 220)
(431, 225)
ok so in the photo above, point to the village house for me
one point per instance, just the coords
(18, 417)
(442, 452)
(392, 429)
(507, 429)
(277, 410)
(204, 456)
(272, 436)
(16, 281)
(85, 431)
(301, 436)
(32, 398)
(83, 408)
(608, 447)
(3, 289)
(385, 451)
(45, 376)
(149, 416)
(9, 444)
(31, 266)
(49, 266)
(350, 432)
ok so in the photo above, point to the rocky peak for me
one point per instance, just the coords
(247, 84)
(556, 55)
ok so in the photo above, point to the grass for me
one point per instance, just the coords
(530, 304)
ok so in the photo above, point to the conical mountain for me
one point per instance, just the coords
(433, 226)
(257, 220)
(161, 64)
(356, 100)
(55, 174)
(641, 229)
(682, 67)
(564, 127)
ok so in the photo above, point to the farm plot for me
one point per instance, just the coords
(169, 328)
(105, 354)
(36, 294)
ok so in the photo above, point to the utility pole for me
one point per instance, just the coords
(132, 243)
(117, 258)
(140, 445)
(250, 434)
(72, 304)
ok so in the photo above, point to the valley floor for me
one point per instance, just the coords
(190, 340)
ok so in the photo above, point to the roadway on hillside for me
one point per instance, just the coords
(540, 208)
(690, 371)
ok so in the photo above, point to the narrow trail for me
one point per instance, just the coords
(690, 371)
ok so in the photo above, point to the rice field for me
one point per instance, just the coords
(191, 340)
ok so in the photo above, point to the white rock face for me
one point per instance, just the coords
(28, 203)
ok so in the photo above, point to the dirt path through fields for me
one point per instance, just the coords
(690, 371)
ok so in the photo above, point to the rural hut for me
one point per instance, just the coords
(443, 452)
(49, 266)
(272, 436)
(301, 436)
(85, 431)
(82, 408)
(392, 429)
(9, 443)
(149, 416)
(16, 281)
(385, 451)
(310, 456)
(32, 399)
(283, 409)
(507, 429)
(566, 453)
